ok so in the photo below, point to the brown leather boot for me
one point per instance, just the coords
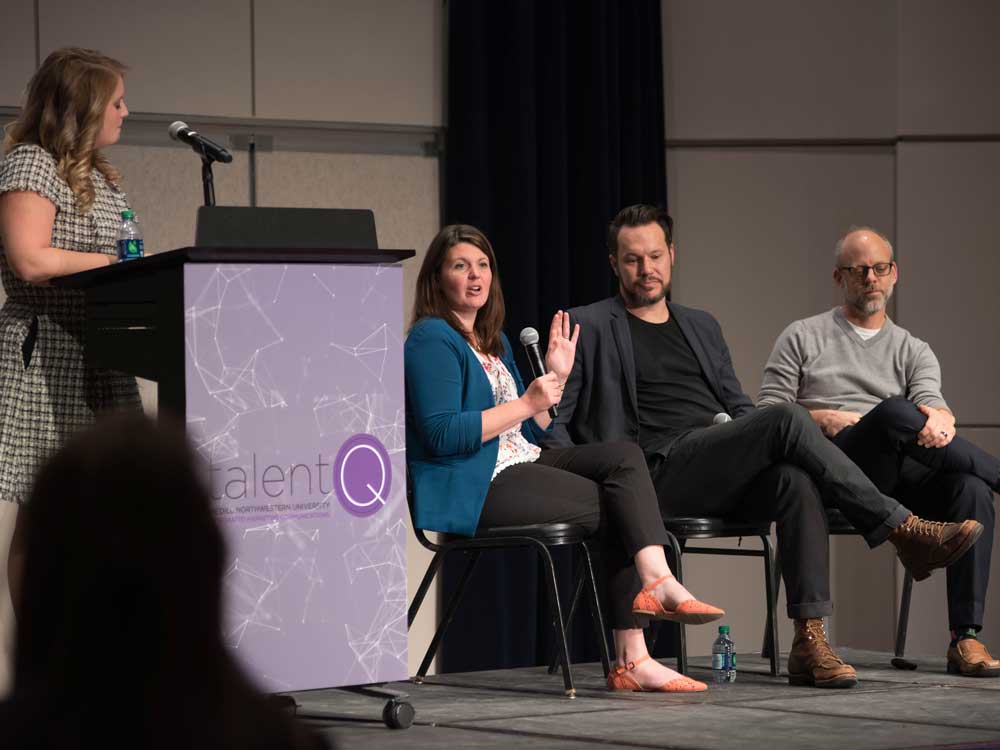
(970, 658)
(923, 545)
(812, 660)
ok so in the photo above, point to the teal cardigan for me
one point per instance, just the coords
(446, 393)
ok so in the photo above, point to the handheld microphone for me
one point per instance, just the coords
(721, 418)
(529, 340)
(204, 147)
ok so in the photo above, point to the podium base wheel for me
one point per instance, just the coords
(398, 714)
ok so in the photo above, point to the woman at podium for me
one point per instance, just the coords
(471, 444)
(60, 209)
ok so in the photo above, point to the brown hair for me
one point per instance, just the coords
(637, 216)
(64, 114)
(430, 300)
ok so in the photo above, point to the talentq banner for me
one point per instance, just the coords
(295, 400)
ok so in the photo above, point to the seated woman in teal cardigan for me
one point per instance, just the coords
(471, 445)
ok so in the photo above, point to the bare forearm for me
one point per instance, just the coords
(501, 418)
(39, 266)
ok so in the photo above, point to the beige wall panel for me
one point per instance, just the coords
(17, 40)
(948, 66)
(184, 56)
(779, 68)
(403, 193)
(863, 586)
(755, 234)
(928, 629)
(350, 61)
(949, 253)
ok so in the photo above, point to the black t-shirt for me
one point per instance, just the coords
(673, 394)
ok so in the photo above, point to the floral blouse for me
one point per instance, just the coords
(514, 447)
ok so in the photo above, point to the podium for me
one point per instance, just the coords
(286, 367)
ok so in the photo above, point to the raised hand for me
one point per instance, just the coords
(562, 347)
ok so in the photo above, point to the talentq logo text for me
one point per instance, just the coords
(361, 476)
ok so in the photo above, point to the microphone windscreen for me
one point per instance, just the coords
(175, 129)
(721, 418)
(529, 336)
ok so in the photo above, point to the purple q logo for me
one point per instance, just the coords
(362, 475)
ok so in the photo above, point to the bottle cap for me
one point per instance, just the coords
(128, 214)
(723, 628)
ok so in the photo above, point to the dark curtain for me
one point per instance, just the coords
(555, 122)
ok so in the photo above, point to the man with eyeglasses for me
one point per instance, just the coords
(660, 374)
(875, 391)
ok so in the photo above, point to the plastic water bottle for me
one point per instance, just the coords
(723, 657)
(129, 238)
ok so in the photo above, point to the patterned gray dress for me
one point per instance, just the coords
(47, 392)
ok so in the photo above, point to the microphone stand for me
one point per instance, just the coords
(208, 182)
(207, 179)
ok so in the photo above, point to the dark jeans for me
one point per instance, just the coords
(943, 484)
(604, 487)
(776, 464)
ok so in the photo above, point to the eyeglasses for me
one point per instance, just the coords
(860, 273)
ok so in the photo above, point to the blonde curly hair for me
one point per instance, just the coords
(64, 114)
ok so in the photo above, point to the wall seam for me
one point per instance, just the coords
(828, 142)
(38, 36)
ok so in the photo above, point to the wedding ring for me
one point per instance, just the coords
(944, 434)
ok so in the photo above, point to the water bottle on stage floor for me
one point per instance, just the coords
(723, 657)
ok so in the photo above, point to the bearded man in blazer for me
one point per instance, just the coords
(661, 375)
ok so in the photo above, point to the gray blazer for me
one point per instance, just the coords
(599, 403)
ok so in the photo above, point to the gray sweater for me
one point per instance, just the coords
(821, 363)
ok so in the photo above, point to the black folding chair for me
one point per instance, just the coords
(540, 537)
(681, 529)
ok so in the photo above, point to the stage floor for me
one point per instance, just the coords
(524, 708)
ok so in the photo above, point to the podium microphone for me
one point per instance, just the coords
(207, 149)
(529, 340)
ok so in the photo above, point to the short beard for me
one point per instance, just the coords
(637, 300)
(869, 307)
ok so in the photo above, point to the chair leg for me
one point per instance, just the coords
(772, 603)
(675, 547)
(595, 609)
(577, 590)
(559, 622)
(765, 648)
(425, 584)
(449, 614)
(904, 614)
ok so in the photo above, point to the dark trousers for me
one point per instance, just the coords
(776, 464)
(943, 484)
(604, 487)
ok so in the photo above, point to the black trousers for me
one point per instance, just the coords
(604, 487)
(776, 464)
(944, 484)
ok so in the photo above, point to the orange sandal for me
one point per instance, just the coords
(691, 612)
(619, 680)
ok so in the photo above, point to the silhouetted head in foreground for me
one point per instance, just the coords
(120, 626)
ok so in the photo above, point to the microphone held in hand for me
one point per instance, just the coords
(207, 149)
(721, 418)
(529, 340)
